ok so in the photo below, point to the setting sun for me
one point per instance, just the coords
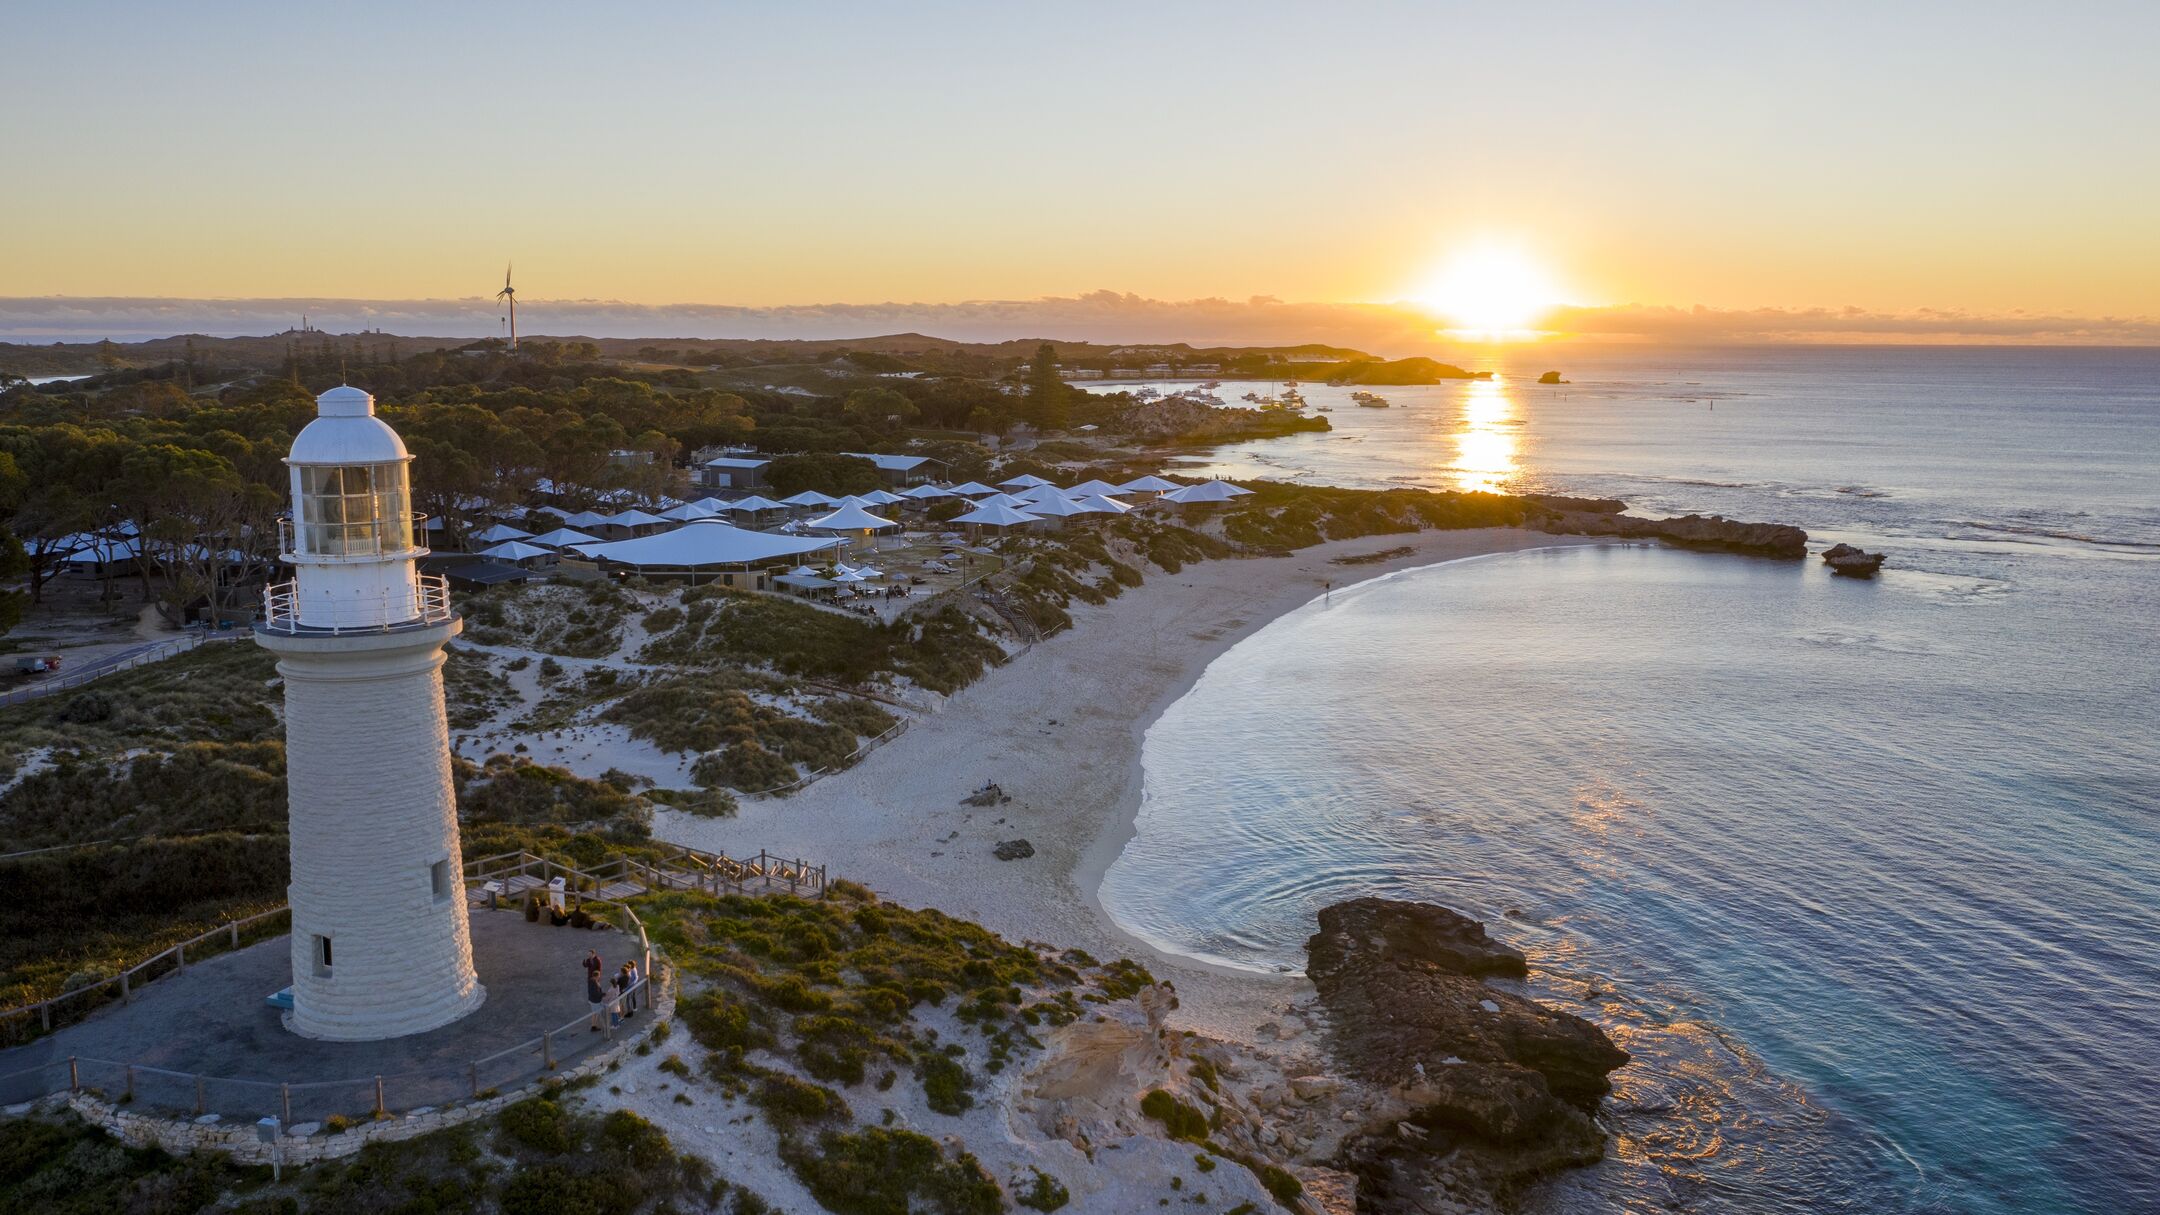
(1491, 291)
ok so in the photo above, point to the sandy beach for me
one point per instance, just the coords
(1060, 728)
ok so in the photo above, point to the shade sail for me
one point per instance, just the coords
(853, 517)
(516, 550)
(563, 537)
(997, 514)
(695, 545)
(1150, 484)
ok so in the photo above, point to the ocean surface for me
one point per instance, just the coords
(1865, 874)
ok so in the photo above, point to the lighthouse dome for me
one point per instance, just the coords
(346, 431)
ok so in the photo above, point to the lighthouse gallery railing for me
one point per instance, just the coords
(429, 603)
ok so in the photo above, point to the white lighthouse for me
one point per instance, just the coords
(380, 943)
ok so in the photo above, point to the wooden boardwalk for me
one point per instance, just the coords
(513, 874)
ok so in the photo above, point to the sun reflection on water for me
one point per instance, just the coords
(1485, 446)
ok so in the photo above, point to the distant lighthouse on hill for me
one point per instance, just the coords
(380, 941)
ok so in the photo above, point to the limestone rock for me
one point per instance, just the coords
(1502, 1086)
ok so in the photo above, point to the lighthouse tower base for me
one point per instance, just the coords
(381, 944)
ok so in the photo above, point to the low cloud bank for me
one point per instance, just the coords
(1100, 316)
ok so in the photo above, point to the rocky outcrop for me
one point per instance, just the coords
(1853, 562)
(1501, 1087)
(1688, 531)
(1176, 419)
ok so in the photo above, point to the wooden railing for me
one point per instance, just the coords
(71, 1006)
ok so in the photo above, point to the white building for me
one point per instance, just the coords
(380, 942)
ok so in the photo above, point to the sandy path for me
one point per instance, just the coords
(1060, 728)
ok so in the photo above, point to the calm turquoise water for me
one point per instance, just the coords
(1870, 869)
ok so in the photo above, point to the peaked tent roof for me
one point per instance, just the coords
(688, 511)
(1102, 504)
(997, 514)
(882, 497)
(850, 518)
(1023, 481)
(1206, 491)
(563, 537)
(1055, 506)
(1150, 484)
(754, 503)
(499, 533)
(810, 497)
(1002, 499)
(973, 489)
(516, 550)
(633, 517)
(924, 493)
(585, 518)
(1092, 488)
(705, 543)
(1039, 493)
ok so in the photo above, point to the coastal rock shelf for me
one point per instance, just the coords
(1602, 517)
(1503, 1087)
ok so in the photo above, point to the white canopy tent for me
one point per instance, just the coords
(1055, 506)
(851, 519)
(706, 546)
(499, 533)
(997, 514)
(810, 497)
(1205, 492)
(1039, 493)
(516, 551)
(564, 537)
(585, 518)
(634, 518)
(689, 511)
(1150, 484)
(974, 489)
(882, 497)
(1100, 504)
(1002, 500)
(1094, 487)
(752, 505)
(927, 493)
(1023, 481)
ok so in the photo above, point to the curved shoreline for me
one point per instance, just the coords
(1062, 729)
(1116, 835)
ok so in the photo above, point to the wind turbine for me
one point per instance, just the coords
(509, 293)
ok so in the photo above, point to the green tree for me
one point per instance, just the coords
(1046, 394)
(824, 472)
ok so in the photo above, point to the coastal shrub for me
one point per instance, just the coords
(94, 911)
(886, 1171)
(661, 619)
(508, 789)
(945, 1084)
(635, 1139)
(1044, 1194)
(539, 1124)
(704, 803)
(789, 1101)
(1280, 1184)
(859, 716)
(1179, 1120)
(747, 766)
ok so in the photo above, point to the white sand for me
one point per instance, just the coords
(1060, 728)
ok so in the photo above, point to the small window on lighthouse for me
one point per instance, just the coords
(322, 955)
(439, 877)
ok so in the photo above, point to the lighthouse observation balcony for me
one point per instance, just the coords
(424, 605)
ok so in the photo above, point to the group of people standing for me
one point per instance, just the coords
(616, 998)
